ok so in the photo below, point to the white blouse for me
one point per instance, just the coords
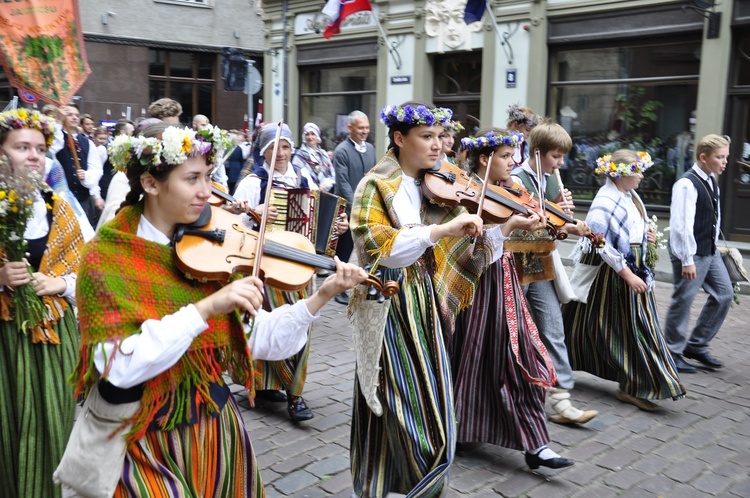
(413, 241)
(161, 343)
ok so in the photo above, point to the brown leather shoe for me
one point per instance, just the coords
(641, 403)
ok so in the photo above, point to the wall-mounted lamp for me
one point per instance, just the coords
(705, 8)
(106, 16)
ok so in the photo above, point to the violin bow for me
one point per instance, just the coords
(542, 198)
(483, 192)
(561, 187)
(264, 218)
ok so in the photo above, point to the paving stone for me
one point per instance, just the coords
(735, 442)
(338, 483)
(329, 466)
(617, 459)
(333, 420)
(657, 485)
(612, 436)
(711, 483)
(471, 482)
(681, 420)
(597, 491)
(583, 473)
(741, 488)
(623, 479)
(699, 439)
(651, 464)
(294, 463)
(295, 481)
(685, 471)
(586, 451)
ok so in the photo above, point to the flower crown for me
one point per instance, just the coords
(492, 140)
(415, 115)
(453, 126)
(18, 119)
(516, 115)
(605, 166)
(175, 146)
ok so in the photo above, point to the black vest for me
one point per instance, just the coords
(706, 214)
(66, 160)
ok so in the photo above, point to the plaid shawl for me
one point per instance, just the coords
(125, 280)
(62, 256)
(458, 263)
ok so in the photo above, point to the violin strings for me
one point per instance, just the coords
(298, 255)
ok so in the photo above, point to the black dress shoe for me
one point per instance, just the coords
(298, 409)
(704, 358)
(683, 366)
(271, 395)
(535, 461)
(342, 298)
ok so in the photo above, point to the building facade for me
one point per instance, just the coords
(165, 48)
(646, 74)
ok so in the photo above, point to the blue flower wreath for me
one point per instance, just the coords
(490, 139)
(415, 115)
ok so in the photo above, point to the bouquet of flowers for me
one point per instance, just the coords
(652, 253)
(17, 194)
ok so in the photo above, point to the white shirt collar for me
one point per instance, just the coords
(146, 230)
(289, 174)
(361, 148)
(702, 174)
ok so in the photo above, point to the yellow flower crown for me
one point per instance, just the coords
(18, 119)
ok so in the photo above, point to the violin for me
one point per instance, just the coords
(451, 186)
(556, 217)
(218, 245)
(220, 195)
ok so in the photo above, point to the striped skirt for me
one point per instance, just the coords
(501, 369)
(36, 408)
(211, 458)
(616, 336)
(409, 448)
(288, 374)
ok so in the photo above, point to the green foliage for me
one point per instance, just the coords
(45, 48)
(636, 112)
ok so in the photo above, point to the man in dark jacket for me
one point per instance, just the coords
(352, 159)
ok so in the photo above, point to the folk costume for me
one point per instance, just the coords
(404, 441)
(37, 406)
(614, 332)
(315, 160)
(288, 374)
(501, 369)
(143, 339)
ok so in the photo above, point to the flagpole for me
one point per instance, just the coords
(392, 51)
(500, 37)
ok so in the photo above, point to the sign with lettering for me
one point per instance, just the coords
(316, 22)
(400, 80)
(510, 78)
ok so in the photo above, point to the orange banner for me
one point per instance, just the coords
(41, 47)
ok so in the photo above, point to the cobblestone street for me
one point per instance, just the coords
(697, 446)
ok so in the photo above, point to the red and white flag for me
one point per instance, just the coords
(338, 10)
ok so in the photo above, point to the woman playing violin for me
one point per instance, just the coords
(437, 255)
(148, 332)
(499, 393)
(553, 143)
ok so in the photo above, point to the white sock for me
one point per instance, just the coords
(545, 453)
